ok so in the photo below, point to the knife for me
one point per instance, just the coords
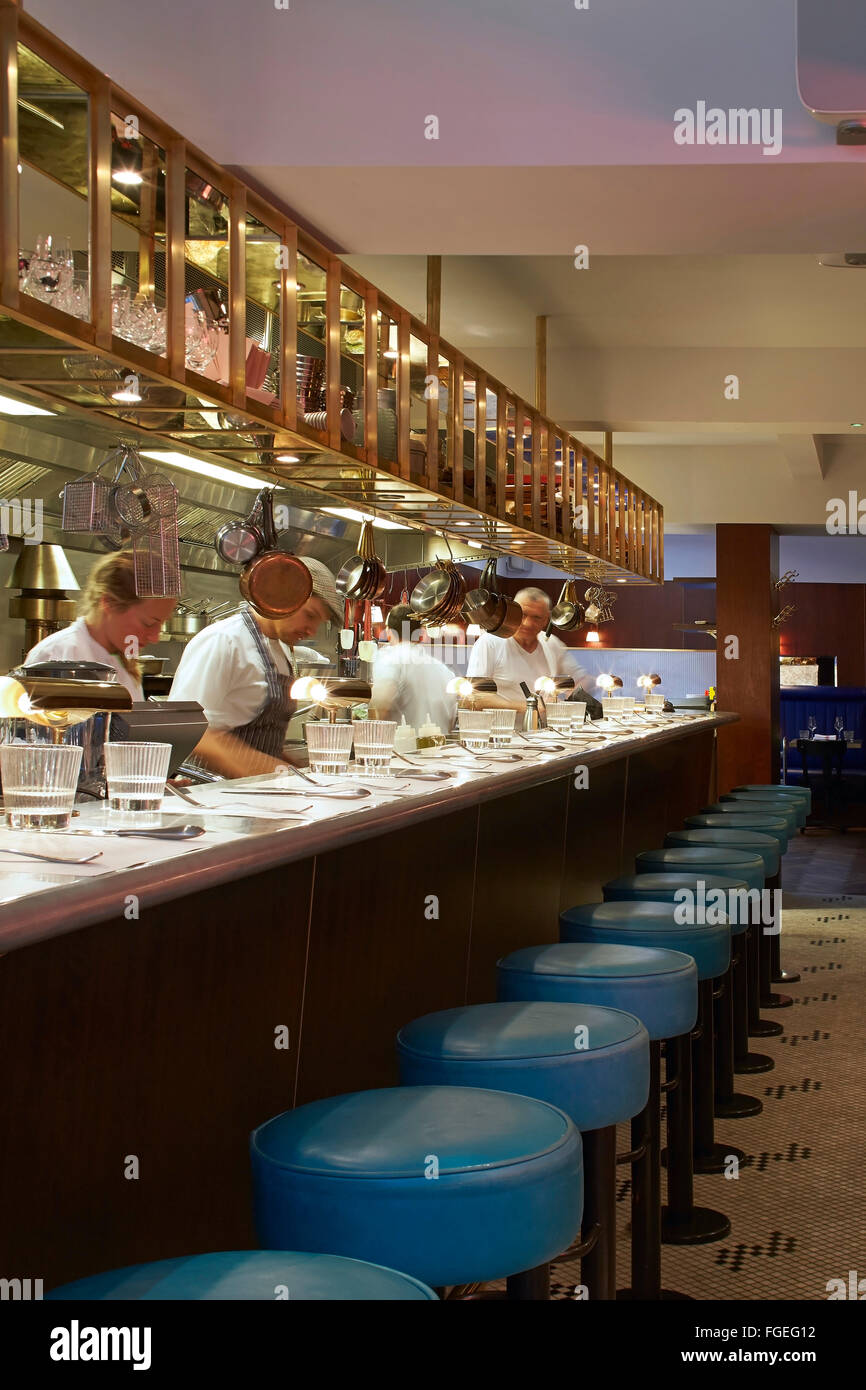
(169, 832)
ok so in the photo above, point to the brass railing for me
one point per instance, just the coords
(361, 400)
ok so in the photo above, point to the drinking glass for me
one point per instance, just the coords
(329, 746)
(560, 717)
(811, 725)
(577, 712)
(475, 726)
(136, 773)
(39, 784)
(502, 726)
(374, 744)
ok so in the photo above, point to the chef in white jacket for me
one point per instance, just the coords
(523, 657)
(409, 683)
(241, 671)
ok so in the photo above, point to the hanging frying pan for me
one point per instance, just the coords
(238, 542)
(275, 583)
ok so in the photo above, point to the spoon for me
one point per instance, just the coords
(431, 776)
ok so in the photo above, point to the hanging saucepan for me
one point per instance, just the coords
(562, 613)
(482, 605)
(363, 576)
(432, 591)
(511, 621)
(238, 542)
(376, 580)
(275, 583)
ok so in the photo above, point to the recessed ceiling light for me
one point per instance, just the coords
(205, 470)
(21, 168)
(126, 397)
(390, 354)
(622, 581)
(126, 177)
(856, 425)
(8, 406)
(476, 545)
(288, 458)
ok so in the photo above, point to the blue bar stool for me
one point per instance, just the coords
(803, 794)
(777, 810)
(766, 798)
(668, 887)
(767, 803)
(690, 1109)
(661, 989)
(767, 846)
(750, 867)
(454, 1186)
(771, 825)
(593, 1063)
(248, 1276)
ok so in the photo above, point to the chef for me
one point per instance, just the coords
(409, 683)
(241, 670)
(523, 657)
(114, 623)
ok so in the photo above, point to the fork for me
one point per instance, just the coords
(52, 858)
(185, 796)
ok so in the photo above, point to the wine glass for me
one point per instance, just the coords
(812, 725)
(839, 725)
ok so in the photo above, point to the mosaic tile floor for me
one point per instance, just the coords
(797, 1208)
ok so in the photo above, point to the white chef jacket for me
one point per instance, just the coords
(412, 684)
(507, 663)
(77, 643)
(222, 670)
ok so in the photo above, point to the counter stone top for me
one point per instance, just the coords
(38, 901)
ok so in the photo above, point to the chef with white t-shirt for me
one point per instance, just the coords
(523, 657)
(241, 671)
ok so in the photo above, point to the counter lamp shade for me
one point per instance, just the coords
(544, 685)
(605, 682)
(460, 686)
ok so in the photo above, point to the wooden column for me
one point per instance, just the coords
(541, 364)
(747, 681)
(434, 293)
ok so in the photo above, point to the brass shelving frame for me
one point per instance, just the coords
(588, 513)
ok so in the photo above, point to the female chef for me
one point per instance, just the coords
(114, 624)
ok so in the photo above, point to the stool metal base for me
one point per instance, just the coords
(776, 1001)
(764, 1028)
(701, 1226)
(784, 977)
(736, 1106)
(752, 1063)
(716, 1159)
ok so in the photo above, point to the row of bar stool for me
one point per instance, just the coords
(496, 1154)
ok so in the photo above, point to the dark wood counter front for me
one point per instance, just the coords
(150, 1045)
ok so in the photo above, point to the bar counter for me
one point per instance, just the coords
(151, 1016)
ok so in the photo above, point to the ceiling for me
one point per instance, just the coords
(556, 131)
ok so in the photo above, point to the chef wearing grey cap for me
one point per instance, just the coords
(240, 673)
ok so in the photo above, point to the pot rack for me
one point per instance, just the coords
(515, 480)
